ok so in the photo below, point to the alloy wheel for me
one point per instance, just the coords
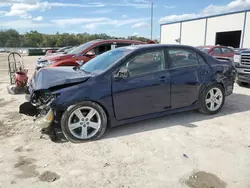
(84, 122)
(214, 99)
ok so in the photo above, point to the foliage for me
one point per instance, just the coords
(11, 38)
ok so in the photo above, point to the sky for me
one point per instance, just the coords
(113, 17)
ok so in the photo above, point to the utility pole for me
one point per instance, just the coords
(152, 6)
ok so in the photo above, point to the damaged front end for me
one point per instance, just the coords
(38, 106)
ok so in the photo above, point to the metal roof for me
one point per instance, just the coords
(205, 17)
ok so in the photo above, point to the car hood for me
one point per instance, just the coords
(245, 51)
(56, 57)
(50, 77)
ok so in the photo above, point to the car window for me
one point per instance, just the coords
(204, 49)
(201, 60)
(226, 51)
(182, 58)
(216, 51)
(102, 48)
(146, 62)
(102, 62)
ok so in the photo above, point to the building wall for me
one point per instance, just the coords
(169, 33)
(246, 42)
(193, 32)
(223, 23)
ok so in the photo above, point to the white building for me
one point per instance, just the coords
(230, 29)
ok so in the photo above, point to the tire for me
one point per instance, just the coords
(84, 129)
(206, 106)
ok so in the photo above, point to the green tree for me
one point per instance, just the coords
(33, 39)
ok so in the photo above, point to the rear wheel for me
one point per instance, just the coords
(212, 100)
(84, 121)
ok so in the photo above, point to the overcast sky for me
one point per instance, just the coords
(114, 17)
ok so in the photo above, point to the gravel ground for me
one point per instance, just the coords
(181, 150)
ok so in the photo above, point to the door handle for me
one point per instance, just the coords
(162, 79)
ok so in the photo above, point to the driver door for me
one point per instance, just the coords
(146, 90)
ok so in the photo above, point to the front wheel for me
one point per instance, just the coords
(212, 100)
(84, 121)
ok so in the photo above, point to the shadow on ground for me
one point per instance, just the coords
(235, 103)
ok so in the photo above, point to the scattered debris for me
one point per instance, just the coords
(19, 149)
(46, 165)
(205, 180)
(106, 164)
(13, 182)
(48, 176)
(184, 155)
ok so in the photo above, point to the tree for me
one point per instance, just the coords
(11, 38)
(33, 39)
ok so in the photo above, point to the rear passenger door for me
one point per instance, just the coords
(184, 78)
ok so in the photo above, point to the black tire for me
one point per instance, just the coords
(204, 109)
(65, 117)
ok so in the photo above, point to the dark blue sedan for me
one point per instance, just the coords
(126, 85)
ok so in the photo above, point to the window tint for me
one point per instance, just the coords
(182, 58)
(216, 51)
(226, 51)
(102, 48)
(146, 62)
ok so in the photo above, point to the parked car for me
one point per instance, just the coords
(85, 52)
(242, 64)
(219, 52)
(2, 50)
(125, 85)
(59, 51)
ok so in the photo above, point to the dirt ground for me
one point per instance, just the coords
(177, 151)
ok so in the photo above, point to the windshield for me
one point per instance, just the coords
(204, 49)
(104, 61)
(81, 48)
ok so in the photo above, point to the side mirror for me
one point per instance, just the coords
(90, 53)
(122, 73)
(211, 53)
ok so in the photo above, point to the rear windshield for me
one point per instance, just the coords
(204, 49)
(81, 48)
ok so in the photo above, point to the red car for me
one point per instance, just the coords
(85, 52)
(219, 52)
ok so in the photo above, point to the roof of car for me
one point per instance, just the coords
(156, 46)
(117, 40)
(211, 46)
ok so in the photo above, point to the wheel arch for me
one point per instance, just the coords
(94, 101)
